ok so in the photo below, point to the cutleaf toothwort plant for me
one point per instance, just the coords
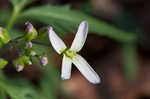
(70, 54)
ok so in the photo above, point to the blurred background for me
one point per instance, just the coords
(117, 47)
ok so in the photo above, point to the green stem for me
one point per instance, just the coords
(2, 94)
(13, 18)
(2, 91)
(20, 37)
(130, 67)
(40, 43)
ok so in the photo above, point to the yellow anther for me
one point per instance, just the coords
(70, 54)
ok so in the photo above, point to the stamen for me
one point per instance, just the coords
(70, 54)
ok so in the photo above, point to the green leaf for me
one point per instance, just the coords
(50, 82)
(1, 44)
(5, 15)
(39, 48)
(18, 88)
(2, 95)
(3, 63)
(20, 3)
(70, 19)
(15, 33)
(5, 38)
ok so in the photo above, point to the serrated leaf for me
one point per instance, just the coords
(69, 20)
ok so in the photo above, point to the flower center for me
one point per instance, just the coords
(69, 53)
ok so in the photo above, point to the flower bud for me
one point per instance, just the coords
(19, 68)
(3, 63)
(18, 62)
(33, 53)
(43, 60)
(4, 36)
(29, 27)
(30, 63)
(30, 52)
(31, 32)
(29, 44)
(26, 60)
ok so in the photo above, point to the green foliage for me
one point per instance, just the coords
(1, 44)
(4, 38)
(5, 15)
(129, 52)
(3, 63)
(22, 60)
(69, 19)
(15, 33)
(18, 88)
(20, 4)
(50, 82)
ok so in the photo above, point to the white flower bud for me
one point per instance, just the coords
(33, 53)
(30, 63)
(19, 68)
(29, 27)
(1, 34)
(29, 44)
(43, 60)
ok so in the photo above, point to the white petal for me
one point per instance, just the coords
(56, 42)
(66, 68)
(80, 37)
(86, 69)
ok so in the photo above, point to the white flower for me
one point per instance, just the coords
(70, 54)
